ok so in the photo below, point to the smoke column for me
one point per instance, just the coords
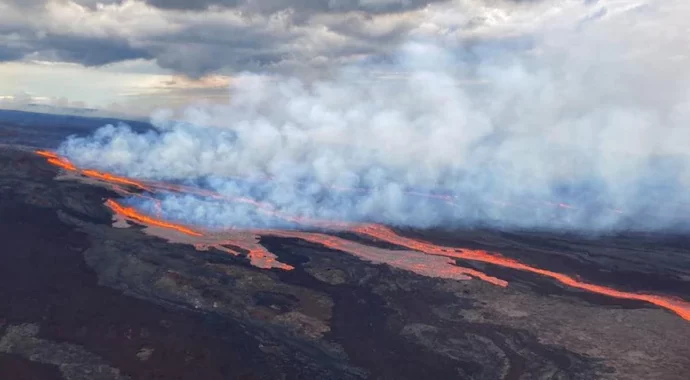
(552, 115)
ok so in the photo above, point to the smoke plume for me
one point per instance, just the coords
(574, 116)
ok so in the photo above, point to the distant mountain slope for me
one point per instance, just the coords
(48, 130)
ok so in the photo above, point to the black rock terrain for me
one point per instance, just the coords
(81, 299)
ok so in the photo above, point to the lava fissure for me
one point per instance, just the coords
(436, 261)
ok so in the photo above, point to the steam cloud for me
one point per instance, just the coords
(591, 109)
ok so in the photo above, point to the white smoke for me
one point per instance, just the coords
(588, 105)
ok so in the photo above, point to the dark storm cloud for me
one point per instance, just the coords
(195, 50)
(243, 35)
(540, 115)
(32, 4)
(10, 54)
(207, 46)
(199, 37)
(17, 42)
(198, 60)
(309, 6)
(91, 51)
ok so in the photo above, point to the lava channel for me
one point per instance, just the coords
(442, 267)
(260, 257)
(257, 254)
(65, 164)
(680, 307)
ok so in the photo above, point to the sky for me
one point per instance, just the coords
(510, 100)
(135, 56)
(495, 102)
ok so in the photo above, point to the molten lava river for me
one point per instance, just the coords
(423, 258)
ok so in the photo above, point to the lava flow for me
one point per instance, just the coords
(257, 255)
(152, 186)
(263, 207)
(64, 163)
(442, 267)
(437, 261)
(680, 307)
(408, 260)
(133, 214)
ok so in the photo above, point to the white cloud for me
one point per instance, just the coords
(238, 38)
(565, 115)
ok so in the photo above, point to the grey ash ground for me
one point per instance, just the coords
(83, 300)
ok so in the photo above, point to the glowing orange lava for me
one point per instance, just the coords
(107, 177)
(46, 154)
(426, 266)
(257, 255)
(263, 207)
(135, 215)
(439, 261)
(62, 163)
(680, 307)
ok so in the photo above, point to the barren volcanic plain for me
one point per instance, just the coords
(92, 289)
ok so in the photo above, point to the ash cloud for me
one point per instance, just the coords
(592, 112)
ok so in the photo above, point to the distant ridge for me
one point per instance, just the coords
(87, 118)
(48, 130)
(75, 111)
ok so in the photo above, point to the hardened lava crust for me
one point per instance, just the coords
(82, 299)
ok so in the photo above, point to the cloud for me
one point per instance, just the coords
(28, 102)
(8, 53)
(232, 36)
(591, 112)
(298, 6)
(25, 4)
(90, 51)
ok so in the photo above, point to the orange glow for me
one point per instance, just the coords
(263, 207)
(157, 204)
(441, 267)
(135, 215)
(257, 255)
(439, 261)
(56, 160)
(680, 307)
(46, 154)
(62, 163)
(107, 177)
